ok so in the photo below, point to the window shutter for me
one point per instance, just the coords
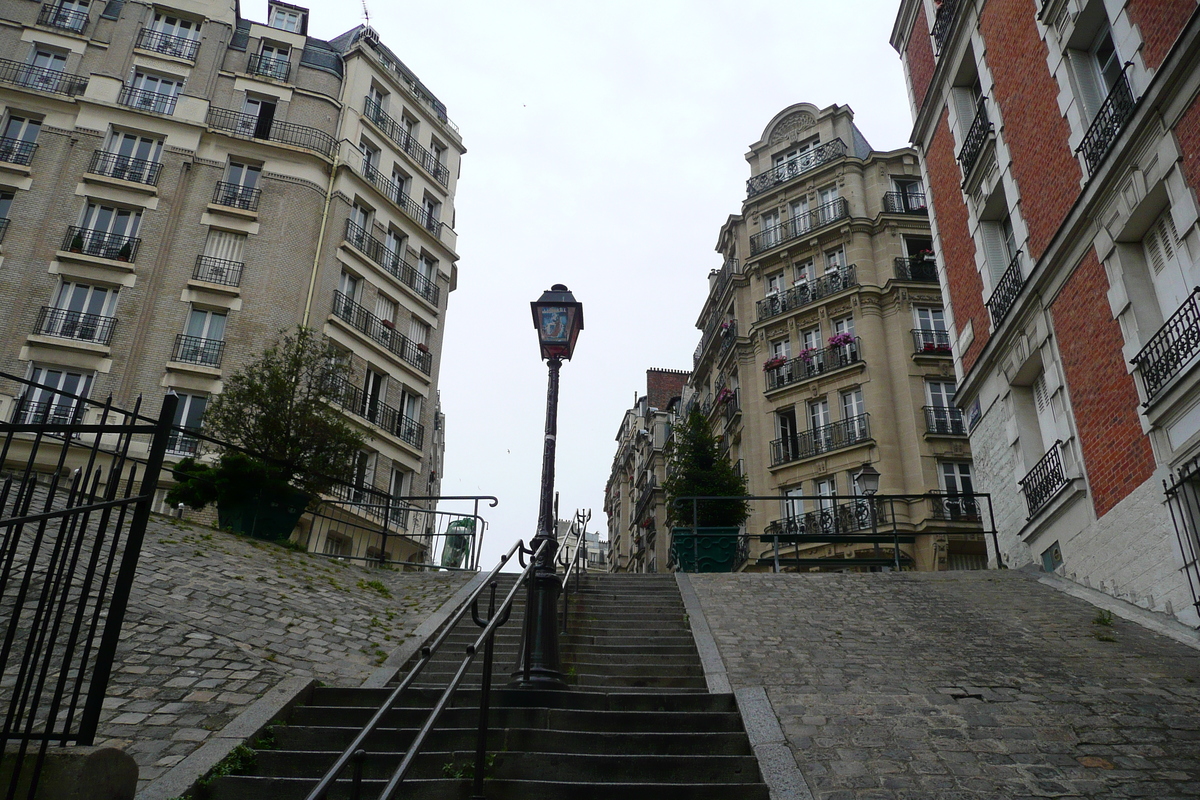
(1087, 81)
(994, 250)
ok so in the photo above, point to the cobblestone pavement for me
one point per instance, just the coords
(215, 620)
(960, 685)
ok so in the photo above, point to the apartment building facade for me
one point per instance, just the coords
(1059, 143)
(180, 184)
(824, 347)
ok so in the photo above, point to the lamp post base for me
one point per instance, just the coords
(541, 636)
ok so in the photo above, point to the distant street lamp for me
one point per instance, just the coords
(558, 318)
(867, 481)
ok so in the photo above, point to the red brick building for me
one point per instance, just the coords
(1060, 147)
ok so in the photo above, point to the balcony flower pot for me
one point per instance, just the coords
(125, 253)
(704, 549)
(387, 323)
(772, 363)
(424, 348)
(77, 243)
(808, 354)
(840, 340)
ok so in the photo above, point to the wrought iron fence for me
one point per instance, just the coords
(41, 79)
(806, 292)
(1183, 498)
(16, 151)
(1004, 296)
(377, 412)
(943, 21)
(269, 66)
(53, 15)
(198, 350)
(957, 507)
(916, 268)
(808, 160)
(168, 45)
(1171, 349)
(235, 195)
(218, 270)
(822, 439)
(400, 137)
(395, 192)
(730, 268)
(905, 203)
(382, 331)
(102, 244)
(945, 420)
(145, 100)
(394, 262)
(800, 225)
(3, 227)
(976, 137)
(62, 323)
(1044, 480)
(813, 362)
(1110, 120)
(930, 342)
(125, 168)
(247, 126)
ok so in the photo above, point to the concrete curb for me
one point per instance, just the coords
(710, 657)
(251, 722)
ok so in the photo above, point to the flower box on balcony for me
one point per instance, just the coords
(424, 348)
(808, 354)
(387, 323)
(840, 340)
(935, 347)
(772, 363)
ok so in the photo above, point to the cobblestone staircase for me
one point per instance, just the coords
(637, 723)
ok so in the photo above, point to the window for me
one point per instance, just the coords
(107, 232)
(941, 416)
(774, 284)
(968, 100)
(222, 258)
(769, 227)
(410, 126)
(1169, 268)
(403, 184)
(798, 215)
(370, 159)
(395, 246)
(930, 334)
(364, 475)
(208, 325)
(258, 117)
(176, 26)
(418, 332)
(360, 226)
(785, 430)
(385, 309)
(240, 187)
(286, 18)
(433, 210)
(907, 195)
(835, 259)
(188, 415)
(71, 15)
(6, 200)
(999, 245)
(826, 489)
(171, 36)
(348, 288)
(131, 157)
(45, 69)
(793, 506)
(377, 98)
(427, 267)
(62, 392)
(854, 413)
(810, 338)
(956, 481)
(19, 139)
(151, 92)
(439, 152)
(81, 311)
(400, 479)
(805, 272)
(374, 393)
(1097, 69)
(818, 425)
(781, 348)
(202, 341)
(827, 211)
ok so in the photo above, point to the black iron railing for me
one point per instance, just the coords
(905, 203)
(956, 507)
(3, 227)
(55, 16)
(377, 412)
(1006, 291)
(168, 45)
(402, 139)
(916, 268)
(125, 168)
(824, 439)
(396, 264)
(717, 327)
(381, 331)
(197, 350)
(730, 268)
(813, 362)
(976, 138)
(808, 292)
(944, 420)
(247, 126)
(830, 518)
(41, 79)
(394, 192)
(730, 404)
(1110, 120)
(930, 342)
(16, 151)
(1044, 480)
(145, 100)
(809, 160)
(43, 412)
(234, 195)
(102, 244)
(182, 444)
(799, 225)
(218, 270)
(64, 324)
(1172, 348)
(269, 66)
(943, 21)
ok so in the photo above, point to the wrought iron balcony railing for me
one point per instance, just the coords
(182, 444)
(394, 263)
(382, 332)
(1171, 349)
(234, 195)
(905, 203)
(1044, 480)
(831, 518)
(377, 412)
(930, 342)
(1110, 120)
(269, 66)
(956, 508)
(45, 412)
(947, 421)
(102, 244)
(3, 227)
(218, 270)
(731, 404)
(811, 363)
(402, 139)
(645, 495)
(247, 126)
(196, 350)
(826, 438)
(27, 76)
(976, 138)
(943, 21)
(916, 268)
(168, 45)
(53, 15)
(125, 168)
(65, 324)
(15, 151)
(1006, 291)
(145, 100)
(728, 270)
(725, 329)
(393, 191)
(808, 292)
(800, 225)
(810, 160)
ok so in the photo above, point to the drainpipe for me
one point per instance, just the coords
(312, 279)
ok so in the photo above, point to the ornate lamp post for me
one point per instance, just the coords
(867, 481)
(558, 318)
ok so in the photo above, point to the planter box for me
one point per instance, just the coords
(271, 517)
(705, 550)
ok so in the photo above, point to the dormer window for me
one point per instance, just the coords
(288, 18)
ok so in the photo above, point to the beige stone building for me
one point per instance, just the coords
(179, 184)
(824, 346)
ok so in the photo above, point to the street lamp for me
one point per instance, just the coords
(558, 318)
(867, 481)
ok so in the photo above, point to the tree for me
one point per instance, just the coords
(701, 470)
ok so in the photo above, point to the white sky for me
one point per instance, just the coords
(605, 150)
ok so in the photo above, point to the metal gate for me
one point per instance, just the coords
(1183, 498)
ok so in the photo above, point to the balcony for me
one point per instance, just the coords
(931, 342)
(976, 138)
(956, 508)
(805, 162)
(726, 273)
(831, 518)
(381, 331)
(1110, 120)
(1171, 349)
(394, 263)
(825, 439)
(218, 270)
(269, 67)
(27, 76)
(942, 23)
(944, 421)
(1006, 291)
(45, 412)
(181, 444)
(64, 324)
(800, 225)
(807, 292)
(247, 126)
(3, 227)
(15, 151)
(125, 168)
(1044, 480)
(168, 45)
(393, 192)
(195, 350)
(101, 244)
(905, 203)
(811, 363)
(55, 16)
(645, 495)
(730, 403)
(401, 138)
(916, 268)
(234, 195)
(726, 329)
(378, 413)
(144, 100)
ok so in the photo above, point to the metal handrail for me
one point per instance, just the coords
(580, 547)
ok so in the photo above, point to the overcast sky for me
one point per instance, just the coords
(605, 150)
